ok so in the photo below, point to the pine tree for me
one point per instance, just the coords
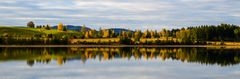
(65, 28)
(47, 27)
(83, 29)
(99, 35)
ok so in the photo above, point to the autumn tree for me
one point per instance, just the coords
(146, 34)
(60, 27)
(112, 34)
(93, 33)
(106, 33)
(164, 33)
(137, 35)
(152, 34)
(87, 34)
(31, 24)
(123, 34)
(185, 36)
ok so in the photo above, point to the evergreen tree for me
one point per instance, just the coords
(65, 28)
(83, 29)
(47, 27)
(99, 35)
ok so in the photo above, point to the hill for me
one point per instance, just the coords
(29, 32)
(16, 31)
(119, 30)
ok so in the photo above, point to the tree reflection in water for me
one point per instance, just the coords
(208, 56)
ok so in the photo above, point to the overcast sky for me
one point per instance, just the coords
(132, 14)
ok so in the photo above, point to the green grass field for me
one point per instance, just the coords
(29, 32)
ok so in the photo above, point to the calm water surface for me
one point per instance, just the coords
(119, 63)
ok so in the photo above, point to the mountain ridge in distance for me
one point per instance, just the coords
(78, 28)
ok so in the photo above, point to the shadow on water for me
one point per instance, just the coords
(207, 56)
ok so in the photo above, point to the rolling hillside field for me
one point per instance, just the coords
(29, 32)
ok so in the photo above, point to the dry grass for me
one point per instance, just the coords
(96, 40)
(225, 43)
(143, 40)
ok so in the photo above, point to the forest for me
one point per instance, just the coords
(46, 35)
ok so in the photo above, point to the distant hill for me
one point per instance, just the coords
(77, 28)
(119, 30)
(72, 27)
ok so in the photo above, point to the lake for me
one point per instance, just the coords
(119, 63)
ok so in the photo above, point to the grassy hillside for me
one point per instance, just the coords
(29, 32)
(18, 31)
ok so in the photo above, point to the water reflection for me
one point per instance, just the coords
(207, 56)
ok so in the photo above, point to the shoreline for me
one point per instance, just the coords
(221, 46)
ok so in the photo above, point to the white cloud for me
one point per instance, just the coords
(236, 15)
(8, 1)
(99, 4)
(136, 17)
(12, 8)
(141, 12)
(205, 1)
(25, 18)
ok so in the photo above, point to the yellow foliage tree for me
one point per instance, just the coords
(87, 34)
(60, 27)
(106, 33)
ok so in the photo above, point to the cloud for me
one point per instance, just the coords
(11, 8)
(8, 1)
(121, 12)
(236, 15)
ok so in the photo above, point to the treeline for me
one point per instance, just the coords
(223, 32)
(190, 36)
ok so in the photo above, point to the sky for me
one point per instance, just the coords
(130, 14)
